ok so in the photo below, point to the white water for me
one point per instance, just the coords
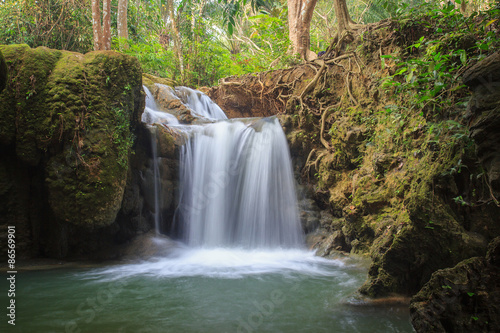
(228, 263)
(237, 211)
(237, 187)
(152, 115)
(200, 103)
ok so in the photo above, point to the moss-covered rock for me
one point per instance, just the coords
(484, 113)
(22, 103)
(74, 117)
(405, 258)
(150, 80)
(465, 298)
(87, 178)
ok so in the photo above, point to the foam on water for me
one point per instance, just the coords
(226, 263)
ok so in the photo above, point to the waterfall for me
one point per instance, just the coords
(152, 115)
(236, 182)
(237, 187)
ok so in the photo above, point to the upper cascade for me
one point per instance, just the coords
(152, 114)
(200, 103)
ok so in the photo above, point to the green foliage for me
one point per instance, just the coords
(232, 9)
(153, 57)
(427, 73)
(213, 61)
(57, 24)
(233, 37)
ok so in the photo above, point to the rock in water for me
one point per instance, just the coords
(67, 127)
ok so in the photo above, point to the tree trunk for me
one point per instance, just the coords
(106, 22)
(343, 18)
(299, 22)
(175, 33)
(96, 24)
(122, 23)
(102, 33)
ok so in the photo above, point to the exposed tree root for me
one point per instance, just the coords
(325, 114)
(309, 163)
(347, 83)
(313, 82)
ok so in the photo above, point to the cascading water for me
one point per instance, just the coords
(152, 116)
(237, 187)
(200, 103)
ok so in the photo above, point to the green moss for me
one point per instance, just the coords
(79, 112)
(103, 89)
(149, 81)
(22, 101)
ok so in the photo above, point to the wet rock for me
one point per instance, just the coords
(402, 262)
(148, 245)
(326, 243)
(465, 298)
(309, 215)
(167, 100)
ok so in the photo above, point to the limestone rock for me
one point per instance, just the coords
(465, 298)
(67, 126)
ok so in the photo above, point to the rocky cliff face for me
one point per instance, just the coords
(466, 298)
(67, 128)
(484, 112)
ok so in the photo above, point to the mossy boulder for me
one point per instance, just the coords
(74, 116)
(22, 102)
(402, 257)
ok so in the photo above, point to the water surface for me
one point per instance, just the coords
(204, 290)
